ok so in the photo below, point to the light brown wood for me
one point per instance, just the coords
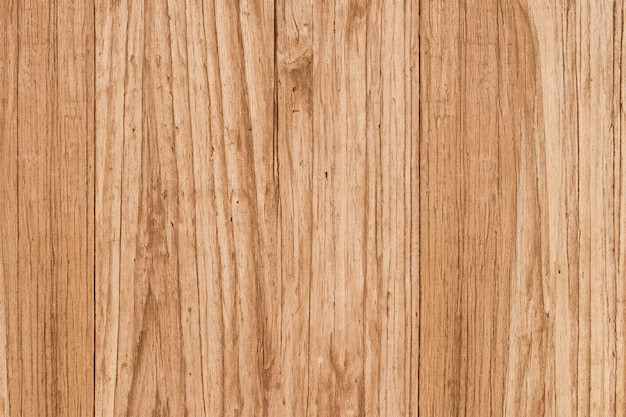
(8, 195)
(237, 205)
(312, 208)
(187, 206)
(522, 208)
(46, 199)
(252, 209)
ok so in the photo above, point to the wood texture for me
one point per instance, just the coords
(312, 208)
(522, 208)
(46, 196)
(236, 213)
(187, 203)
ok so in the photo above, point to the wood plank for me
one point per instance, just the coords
(600, 209)
(522, 209)
(8, 200)
(295, 143)
(323, 125)
(391, 179)
(187, 247)
(337, 354)
(46, 236)
(469, 175)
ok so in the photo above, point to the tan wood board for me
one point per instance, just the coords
(47, 141)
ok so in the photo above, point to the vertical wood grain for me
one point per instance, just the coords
(469, 185)
(347, 145)
(187, 247)
(295, 143)
(600, 205)
(268, 218)
(355, 208)
(522, 209)
(338, 241)
(390, 302)
(557, 40)
(619, 132)
(46, 236)
(8, 199)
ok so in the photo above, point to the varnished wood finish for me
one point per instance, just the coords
(312, 208)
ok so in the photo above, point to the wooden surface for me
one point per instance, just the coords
(523, 214)
(312, 208)
(46, 208)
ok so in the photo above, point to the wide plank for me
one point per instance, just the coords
(522, 208)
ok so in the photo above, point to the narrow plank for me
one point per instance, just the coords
(360, 159)
(50, 291)
(556, 28)
(187, 247)
(8, 199)
(529, 386)
(482, 308)
(336, 356)
(600, 212)
(439, 110)
(468, 190)
(295, 144)
(392, 285)
(73, 190)
(240, 53)
(37, 104)
(139, 349)
(347, 145)
(581, 85)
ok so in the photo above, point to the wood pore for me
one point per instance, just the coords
(312, 208)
